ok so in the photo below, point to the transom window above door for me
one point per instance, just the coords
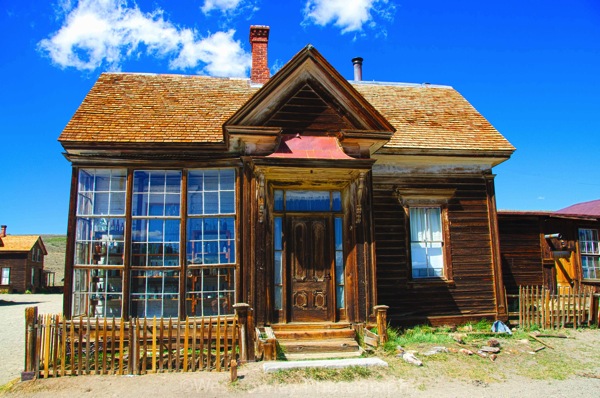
(309, 201)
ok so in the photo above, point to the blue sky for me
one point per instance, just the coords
(532, 68)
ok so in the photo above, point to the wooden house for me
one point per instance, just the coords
(309, 197)
(21, 262)
(550, 249)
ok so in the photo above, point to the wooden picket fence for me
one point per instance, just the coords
(568, 307)
(137, 346)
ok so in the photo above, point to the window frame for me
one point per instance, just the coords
(430, 197)
(595, 256)
(151, 284)
(203, 280)
(428, 243)
(2, 277)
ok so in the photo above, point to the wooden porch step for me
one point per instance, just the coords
(317, 340)
(310, 326)
(314, 334)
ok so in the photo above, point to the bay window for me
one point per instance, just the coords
(149, 235)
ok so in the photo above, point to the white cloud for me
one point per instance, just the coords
(222, 5)
(97, 33)
(348, 15)
(217, 52)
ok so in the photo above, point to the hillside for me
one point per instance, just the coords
(55, 260)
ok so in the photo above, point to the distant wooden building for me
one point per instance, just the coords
(550, 249)
(21, 262)
(310, 197)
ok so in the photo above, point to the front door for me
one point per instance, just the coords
(309, 259)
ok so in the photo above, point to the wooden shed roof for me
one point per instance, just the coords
(20, 243)
(127, 108)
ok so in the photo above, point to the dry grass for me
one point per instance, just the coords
(575, 356)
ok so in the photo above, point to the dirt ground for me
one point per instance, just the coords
(12, 328)
(254, 382)
(571, 368)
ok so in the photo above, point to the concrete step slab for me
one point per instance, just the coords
(270, 367)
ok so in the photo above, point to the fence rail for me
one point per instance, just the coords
(56, 346)
(569, 306)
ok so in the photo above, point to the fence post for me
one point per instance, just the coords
(31, 314)
(381, 315)
(241, 311)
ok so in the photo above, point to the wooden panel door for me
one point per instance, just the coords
(309, 257)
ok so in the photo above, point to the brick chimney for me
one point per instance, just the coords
(2, 231)
(259, 39)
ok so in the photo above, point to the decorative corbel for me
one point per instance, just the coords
(359, 196)
(260, 188)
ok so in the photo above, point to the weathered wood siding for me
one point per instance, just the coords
(527, 258)
(470, 290)
(521, 248)
(21, 265)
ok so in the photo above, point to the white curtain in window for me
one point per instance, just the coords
(426, 242)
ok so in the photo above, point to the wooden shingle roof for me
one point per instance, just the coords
(432, 117)
(127, 108)
(20, 243)
(145, 108)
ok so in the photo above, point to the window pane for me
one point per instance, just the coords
(211, 203)
(211, 180)
(195, 181)
(157, 181)
(211, 228)
(228, 179)
(277, 235)
(102, 180)
(156, 206)
(117, 203)
(141, 181)
(138, 230)
(227, 202)
(338, 233)
(278, 200)
(86, 181)
(195, 204)
(85, 203)
(419, 255)
(171, 230)
(278, 270)
(307, 201)
(118, 180)
(139, 205)
(101, 203)
(337, 201)
(173, 182)
(155, 230)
